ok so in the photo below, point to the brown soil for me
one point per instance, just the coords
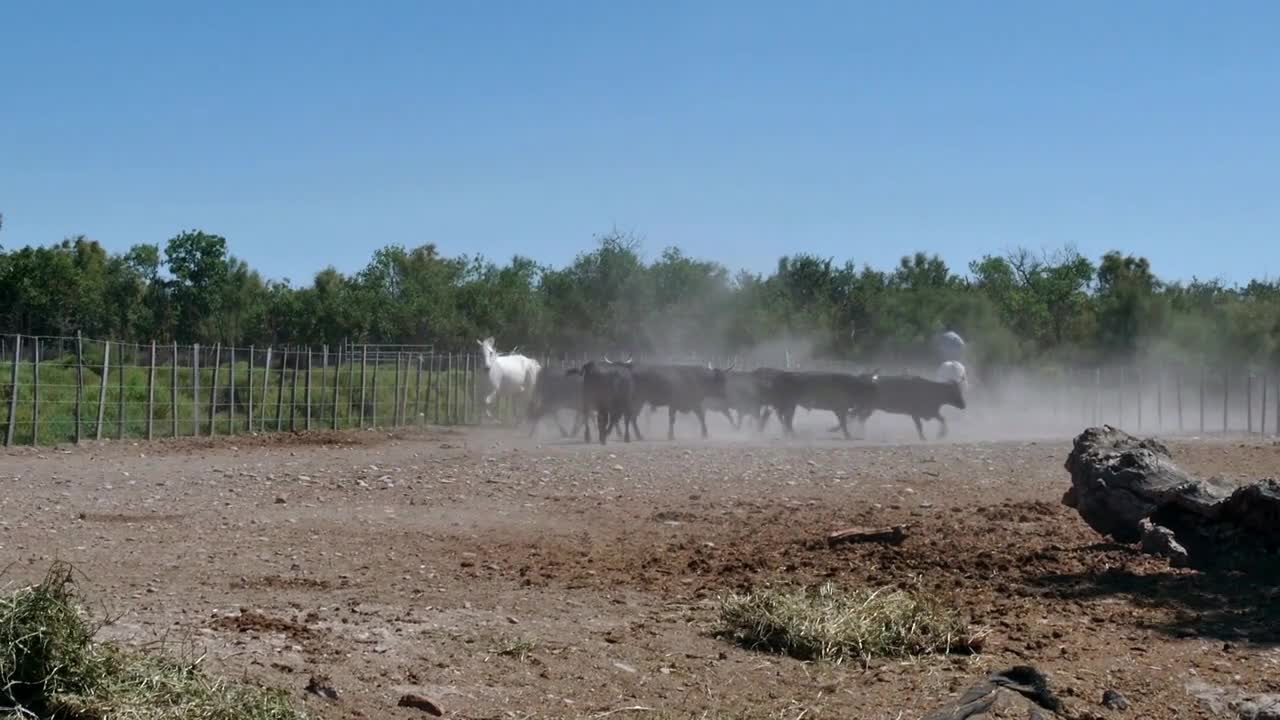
(507, 579)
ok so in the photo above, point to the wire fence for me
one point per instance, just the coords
(70, 389)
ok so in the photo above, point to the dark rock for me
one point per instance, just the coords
(1113, 700)
(321, 685)
(1159, 540)
(1118, 481)
(421, 702)
(1021, 689)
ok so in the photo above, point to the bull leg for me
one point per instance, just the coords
(842, 418)
(919, 426)
(762, 419)
(702, 420)
(787, 416)
(671, 422)
(602, 426)
(942, 426)
(586, 423)
(729, 414)
(555, 417)
(577, 420)
(631, 417)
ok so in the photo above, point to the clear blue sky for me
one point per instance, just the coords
(311, 133)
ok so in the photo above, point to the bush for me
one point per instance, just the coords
(50, 667)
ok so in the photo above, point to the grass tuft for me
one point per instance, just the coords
(517, 648)
(50, 667)
(829, 624)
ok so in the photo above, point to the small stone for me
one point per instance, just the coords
(321, 685)
(1159, 540)
(421, 702)
(1114, 700)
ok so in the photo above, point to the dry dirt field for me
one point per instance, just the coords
(508, 578)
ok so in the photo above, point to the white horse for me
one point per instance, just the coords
(511, 374)
(953, 371)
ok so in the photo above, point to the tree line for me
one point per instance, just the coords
(1017, 307)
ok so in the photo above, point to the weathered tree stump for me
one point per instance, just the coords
(1129, 489)
(1005, 694)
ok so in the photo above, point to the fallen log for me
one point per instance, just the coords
(891, 535)
(1129, 489)
(1019, 689)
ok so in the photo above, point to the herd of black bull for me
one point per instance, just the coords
(618, 391)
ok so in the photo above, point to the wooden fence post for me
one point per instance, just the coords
(324, 375)
(454, 393)
(337, 373)
(293, 391)
(1160, 399)
(231, 398)
(395, 408)
(307, 390)
(35, 391)
(248, 418)
(173, 389)
(13, 392)
(1097, 394)
(79, 383)
(266, 384)
(417, 394)
(1177, 374)
(433, 388)
(1226, 400)
(213, 389)
(1248, 404)
(284, 366)
(351, 383)
(151, 391)
(1138, 373)
(1202, 382)
(120, 406)
(364, 367)
(195, 390)
(1120, 395)
(373, 389)
(1262, 415)
(102, 389)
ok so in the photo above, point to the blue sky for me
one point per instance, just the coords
(311, 133)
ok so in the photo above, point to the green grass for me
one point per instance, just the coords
(50, 667)
(829, 624)
(443, 396)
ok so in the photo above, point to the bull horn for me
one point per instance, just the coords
(628, 360)
(732, 365)
(607, 361)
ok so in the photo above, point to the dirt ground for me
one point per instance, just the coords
(511, 578)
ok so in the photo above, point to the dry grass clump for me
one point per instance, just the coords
(50, 667)
(834, 625)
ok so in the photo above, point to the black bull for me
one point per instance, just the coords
(918, 397)
(785, 390)
(617, 391)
